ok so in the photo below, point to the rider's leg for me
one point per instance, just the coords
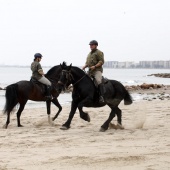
(45, 81)
(102, 90)
(98, 77)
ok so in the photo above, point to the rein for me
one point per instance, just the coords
(79, 80)
(69, 77)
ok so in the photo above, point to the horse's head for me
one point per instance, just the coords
(65, 77)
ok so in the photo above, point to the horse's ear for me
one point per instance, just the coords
(70, 66)
(64, 64)
(61, 65)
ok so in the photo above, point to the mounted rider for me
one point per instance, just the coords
(38, 74)
(94, 62)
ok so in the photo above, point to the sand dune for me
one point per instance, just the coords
(144, 143)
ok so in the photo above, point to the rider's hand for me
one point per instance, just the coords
(92, 67)
(83, 68)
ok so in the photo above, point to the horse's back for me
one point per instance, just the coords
(119, 92)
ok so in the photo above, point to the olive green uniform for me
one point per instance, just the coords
(36, 67)
(93, 58)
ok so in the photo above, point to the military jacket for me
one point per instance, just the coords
(35, 67)
(93, 58)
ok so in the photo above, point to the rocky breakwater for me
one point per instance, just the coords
(2, 88)
(151, 91)
(163, 75)
(144, 86)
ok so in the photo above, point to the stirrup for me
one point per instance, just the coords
(101, 99)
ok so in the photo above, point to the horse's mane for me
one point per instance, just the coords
(81, 72)
(77, 70)
(52, 70)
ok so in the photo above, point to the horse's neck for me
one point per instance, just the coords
(53, 78)
(83, 79)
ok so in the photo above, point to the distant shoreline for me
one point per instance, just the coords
(19, 66)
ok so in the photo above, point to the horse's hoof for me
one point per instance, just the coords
(88, 118)
(102, 129)
(119, 126)
(20, 126)
(64, 128)
(4, 126)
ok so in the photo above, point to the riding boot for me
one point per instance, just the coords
(48, 93)
(101, 90)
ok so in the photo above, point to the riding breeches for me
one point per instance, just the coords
(98, 77)
(45, 81)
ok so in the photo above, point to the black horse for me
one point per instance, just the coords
(85, 94)
(22, 91)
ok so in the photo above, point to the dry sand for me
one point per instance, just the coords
(144, 144)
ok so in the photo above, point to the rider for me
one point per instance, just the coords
(94, 62)
(38, 74)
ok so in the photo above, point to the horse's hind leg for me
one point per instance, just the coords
(21, 108)
(119, 118)
(119, 115)
(105, 126)
(55, 101)
(7, 121)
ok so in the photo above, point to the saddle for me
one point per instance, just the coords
(42, 86)
(104, 81)
(35, 81)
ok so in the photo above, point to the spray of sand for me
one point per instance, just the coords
(43, 122)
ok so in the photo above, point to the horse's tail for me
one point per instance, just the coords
(128, 98)
(11, 98)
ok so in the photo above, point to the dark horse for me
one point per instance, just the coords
(22, 91)
(85, 94)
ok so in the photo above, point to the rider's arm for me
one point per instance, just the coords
(100, 59)
(39, 69)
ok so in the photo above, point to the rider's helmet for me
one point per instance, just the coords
(37, 55)
(93, 42)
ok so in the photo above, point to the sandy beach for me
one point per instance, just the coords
(143, 144)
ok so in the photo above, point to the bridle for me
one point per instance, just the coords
(69, 78)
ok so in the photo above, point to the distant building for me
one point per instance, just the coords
(126, 64)
(154, 64)
(141, 64)
(111, 64)
(116, 64)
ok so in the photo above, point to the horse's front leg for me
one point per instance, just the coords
(48, 104)
(55, 101)
(66, 125)
(85, 102)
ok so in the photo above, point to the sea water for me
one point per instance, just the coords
(9, 75)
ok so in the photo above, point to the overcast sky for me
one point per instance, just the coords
(127, 30)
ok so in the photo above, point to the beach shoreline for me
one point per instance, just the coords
(144, 143)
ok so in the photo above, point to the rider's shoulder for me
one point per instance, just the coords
(99, 52)
(35, 63)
